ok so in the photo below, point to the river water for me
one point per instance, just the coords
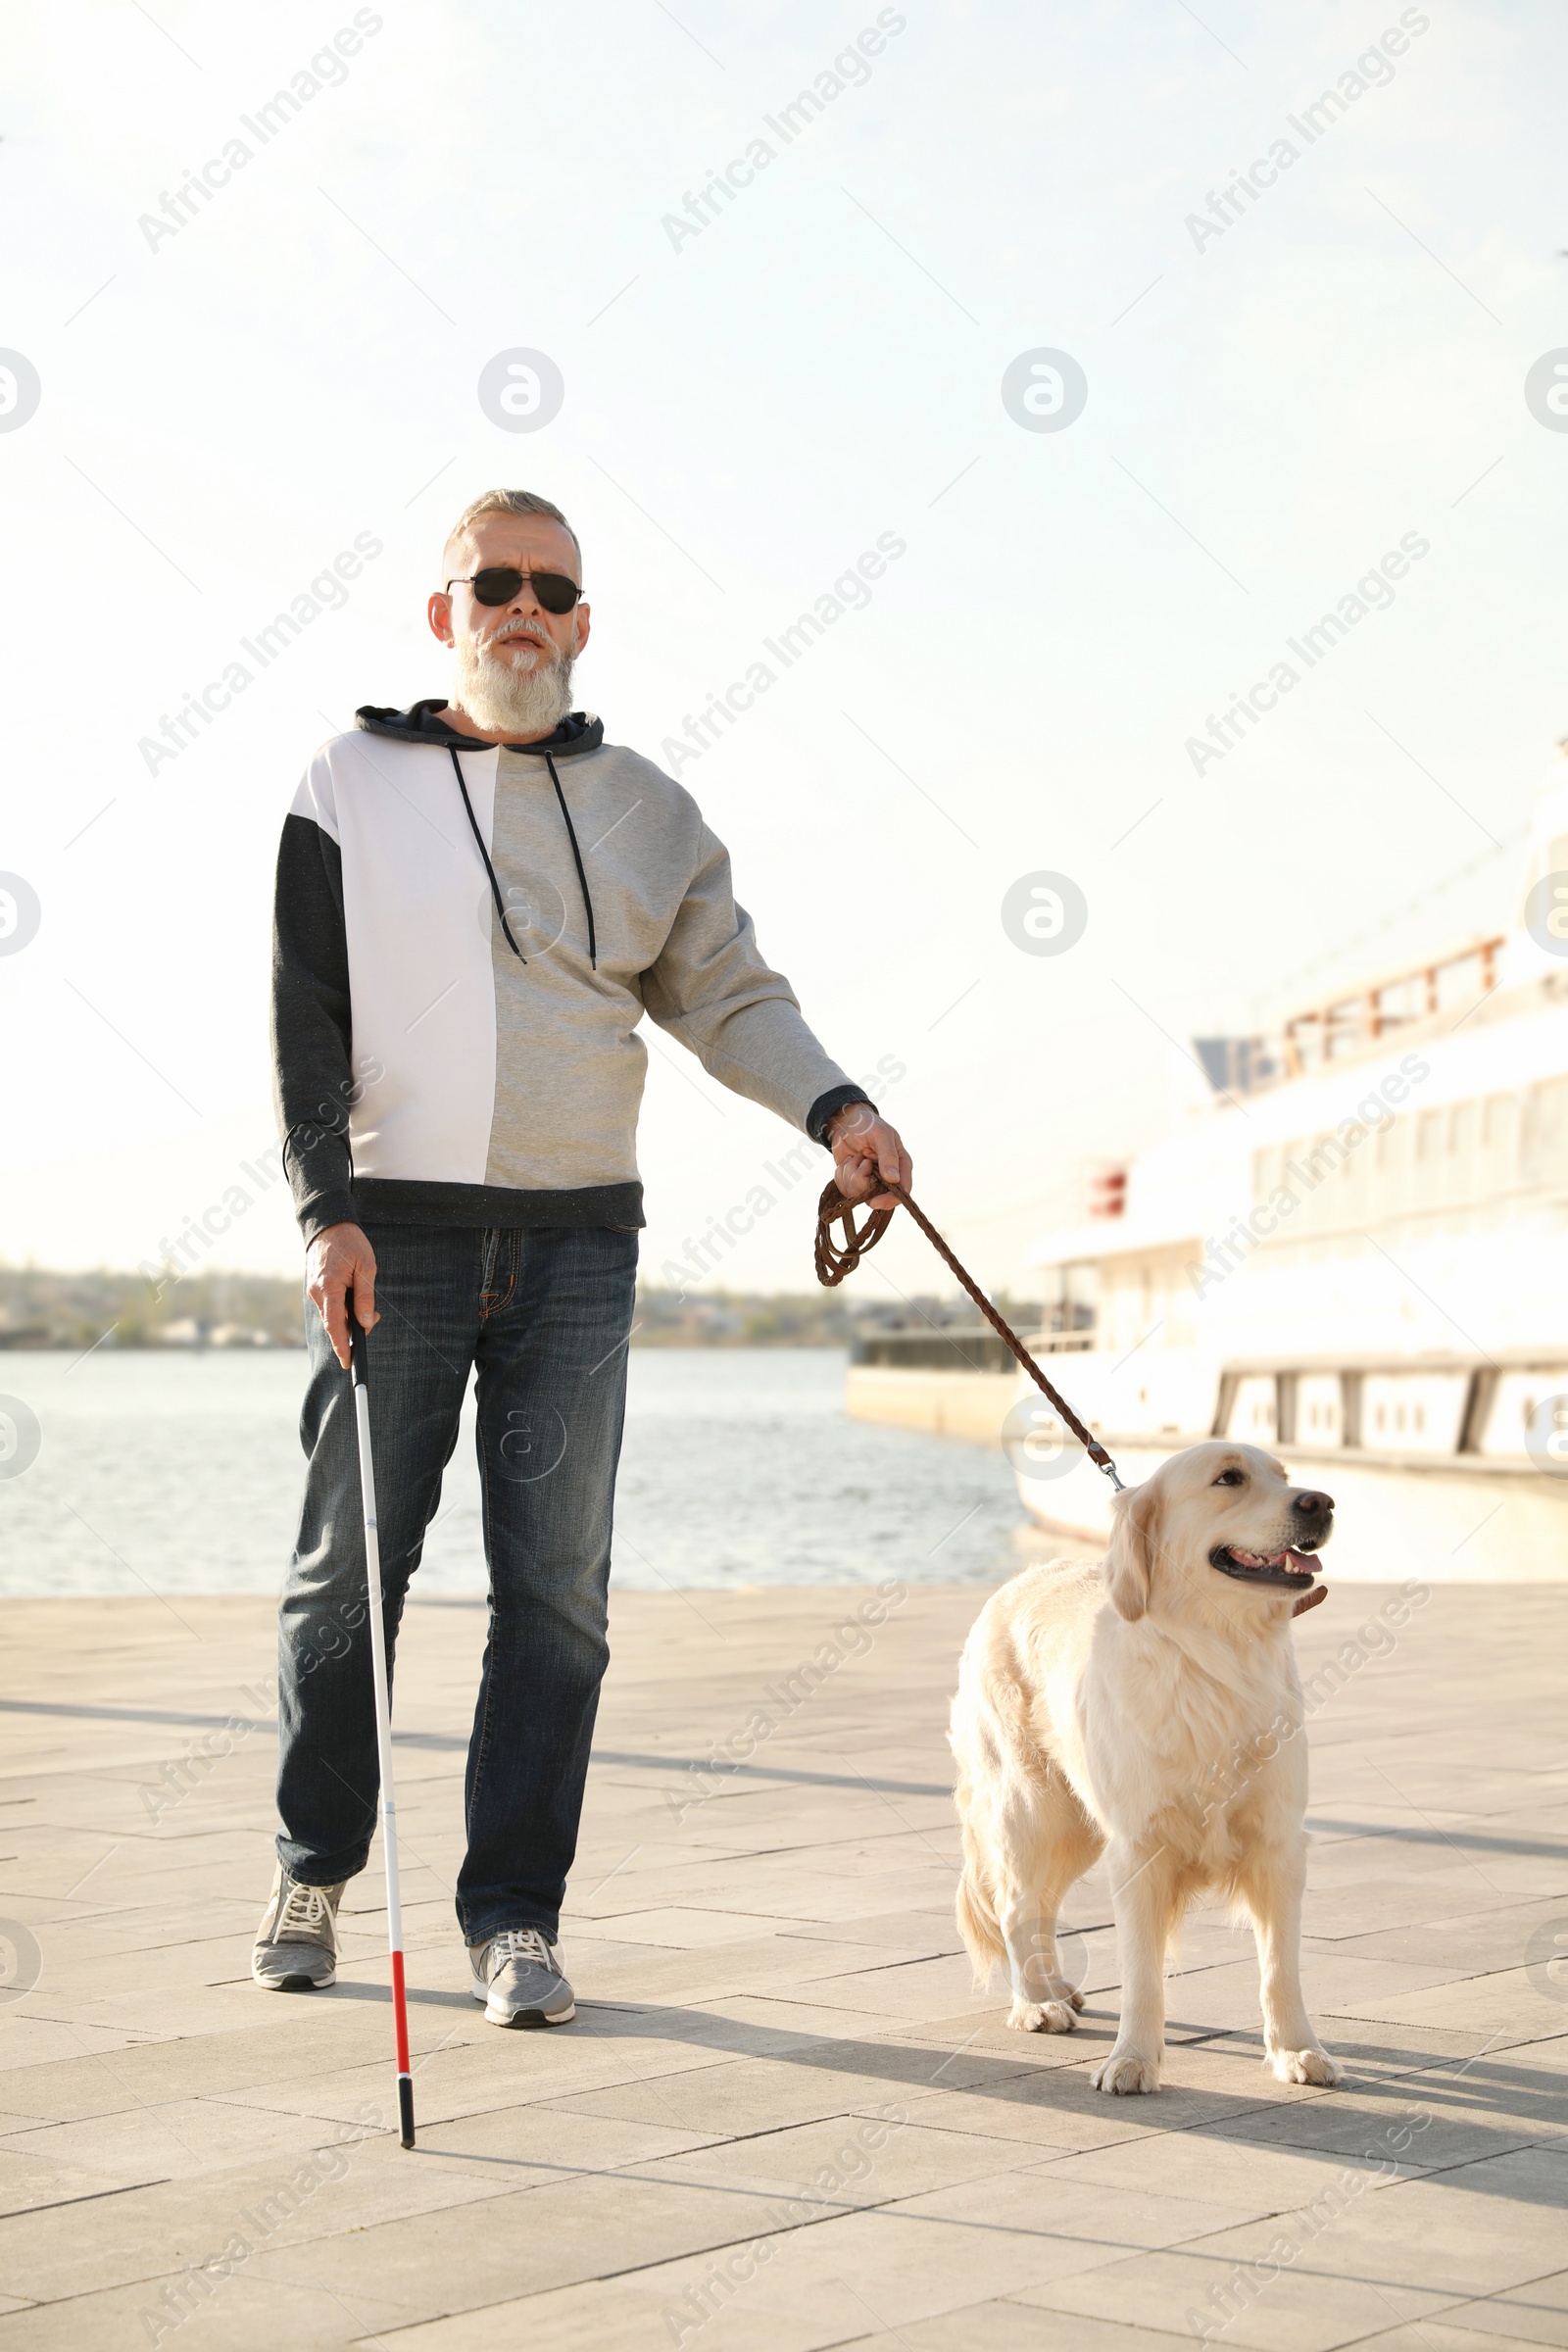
(180, 1472)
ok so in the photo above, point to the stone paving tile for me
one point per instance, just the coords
(1228, 1994)
(148, 2232)
(104, 2081)
(182, 2138)
(759, 2095)
(1426, 2123)
(1386, 1917)
(549, 2140)
(926, 1931)
(758, 1973)
(1534, 2314)
(560, 2233)
(1502, 2002)
(242, 2314)
(1437, 2335)
(1066, 2119)
(1080, 2212)
(622, 2317)
(1230, 2166)
(647, 1972)
(190, 1963)
(911, 2265)
(1505, 1879)
(1293, 2312)
(1477, 2230)
(1010, 2326)
(1467, 1943)
(488, 2068)
(39, 2041)
(645, 2311)
(137, 2011)
(28, 2184)
(990, 2038)
(883, 2154)
(689, 1928)
(921, 1990)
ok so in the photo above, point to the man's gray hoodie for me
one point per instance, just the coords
(465, 939)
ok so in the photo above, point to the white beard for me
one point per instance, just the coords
(507, 699)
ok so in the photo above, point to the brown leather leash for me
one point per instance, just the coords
(835, 1258)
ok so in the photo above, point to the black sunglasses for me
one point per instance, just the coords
(499, 584)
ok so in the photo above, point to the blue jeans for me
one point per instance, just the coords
(544, 1315)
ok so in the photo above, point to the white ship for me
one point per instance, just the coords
(1355, 1252)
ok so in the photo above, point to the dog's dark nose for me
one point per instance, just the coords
(1309, 1504)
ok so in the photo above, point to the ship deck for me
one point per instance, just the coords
(783, 2119)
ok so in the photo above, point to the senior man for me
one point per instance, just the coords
(477, 902)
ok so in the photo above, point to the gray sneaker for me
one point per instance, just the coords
(296, 1944)
(517, 1973)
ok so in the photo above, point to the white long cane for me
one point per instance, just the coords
(383, 1719)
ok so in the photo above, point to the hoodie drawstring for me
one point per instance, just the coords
(495, 887)
(576, 859)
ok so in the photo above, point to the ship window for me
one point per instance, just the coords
(1428, 1131)
(1378, 1417)
(1419, 1416)
(1461, 1127)
(1544, 1139)
(1325, 1154)
(1496, 1121)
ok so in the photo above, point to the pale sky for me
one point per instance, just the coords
(1271, 410)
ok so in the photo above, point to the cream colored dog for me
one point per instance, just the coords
(1149, 1707)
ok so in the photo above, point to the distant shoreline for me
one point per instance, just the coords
(42, 1309)
(27, 1344)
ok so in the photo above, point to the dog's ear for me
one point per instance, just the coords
(1130, 1559)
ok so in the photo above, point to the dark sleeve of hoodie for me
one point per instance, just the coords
(312, 1029)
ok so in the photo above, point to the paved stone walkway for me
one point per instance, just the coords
(783, 2119)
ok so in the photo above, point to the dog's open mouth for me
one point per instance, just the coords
(1288, 1571)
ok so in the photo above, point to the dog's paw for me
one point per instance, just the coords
(1305, 2066)
(1060, 1992)
(1041, 2017)
(1125, 2072)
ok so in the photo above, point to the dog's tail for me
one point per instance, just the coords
(972, 1905)
(977, 1924)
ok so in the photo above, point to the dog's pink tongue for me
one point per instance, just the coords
(1305, 1563)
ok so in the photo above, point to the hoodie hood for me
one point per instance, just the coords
(579, 731)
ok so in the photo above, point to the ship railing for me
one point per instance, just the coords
(1348, 1024)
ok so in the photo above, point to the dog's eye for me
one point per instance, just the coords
(1231, 1478)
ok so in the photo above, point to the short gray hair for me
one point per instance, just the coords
(513, 502)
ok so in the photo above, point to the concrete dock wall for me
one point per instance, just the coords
(944, 1404)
